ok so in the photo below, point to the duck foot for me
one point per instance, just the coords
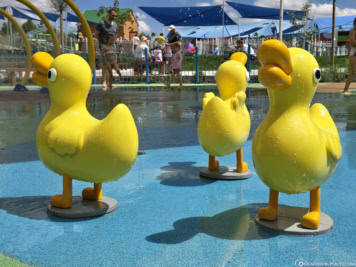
(311, 220)
(61, 202)
(64, 201)
(91, 193)
(268, 213)
(243, 167)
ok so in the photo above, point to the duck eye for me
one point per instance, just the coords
(247, 76)
(317, 75)
(52, 75)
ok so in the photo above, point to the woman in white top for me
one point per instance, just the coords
(140, 55)
(352, 58)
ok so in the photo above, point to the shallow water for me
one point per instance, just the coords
(167, 214)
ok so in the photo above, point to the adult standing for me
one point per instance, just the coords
(140, 55)
(104, 27)
(352, 58)
(135, 41)
(173, 39)
(244, 48)
(80, 39)
(161, 46)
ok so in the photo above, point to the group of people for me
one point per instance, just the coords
(167, 50)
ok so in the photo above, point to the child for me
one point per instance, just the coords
(176, 65)
(108, 53)
(159, 59)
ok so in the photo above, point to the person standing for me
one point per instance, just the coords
(80, 39)
(140, 56)
(352, 58)
(135, 41)
(244, 48)
(104, 27)
(176, 66)
(174, 38)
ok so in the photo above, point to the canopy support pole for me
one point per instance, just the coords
(238, 25)
(281, 21)
(223, 19)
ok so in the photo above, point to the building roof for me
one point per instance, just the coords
(91, 15)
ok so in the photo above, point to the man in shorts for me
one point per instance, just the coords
(174, 39)
(104, 27)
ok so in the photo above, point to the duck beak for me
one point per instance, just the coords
(277, 65)
(42, 61)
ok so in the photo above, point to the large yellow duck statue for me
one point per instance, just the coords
(70, 141)
(296, 148)
(224, 124)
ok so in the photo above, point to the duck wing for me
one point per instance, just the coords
(321, 117)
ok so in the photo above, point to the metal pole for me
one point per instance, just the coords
(333, 35)
(147, 69)
(223, 22)
(238, 24)
(197, 65)
(281, 21)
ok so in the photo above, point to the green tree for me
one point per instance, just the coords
(60, 6)
(29, 26)
(121, 18)
(299, 22)
(5, 28)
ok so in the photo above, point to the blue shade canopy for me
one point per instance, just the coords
(325, 24)
(257, 12)
(17, 14)
(52, 16)
(189, 16)
(262, 28)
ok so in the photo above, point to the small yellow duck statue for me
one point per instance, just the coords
(70, 141)
(224, 124)
(296, 148)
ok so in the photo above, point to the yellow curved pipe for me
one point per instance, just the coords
(87, 32)
(27, 44)
(46, 22)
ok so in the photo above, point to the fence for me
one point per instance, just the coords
(196, 68)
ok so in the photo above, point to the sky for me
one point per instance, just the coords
(320, 8)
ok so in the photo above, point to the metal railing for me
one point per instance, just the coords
(196, 68)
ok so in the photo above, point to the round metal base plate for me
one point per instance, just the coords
(83, 208)
(289, 222)
(224, 173)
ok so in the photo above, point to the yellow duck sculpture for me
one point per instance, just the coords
(224, 124)
(70, 141)
(296, 148)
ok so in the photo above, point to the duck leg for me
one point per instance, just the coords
(241, 165)
(312, 219)
(95, 193)
(64, 201)
(270, 213)
(213, 164)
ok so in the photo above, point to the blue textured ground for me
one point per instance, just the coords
(167, 214)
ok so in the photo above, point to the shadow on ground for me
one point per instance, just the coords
(182, 174)
(233, 224)
(32, 207)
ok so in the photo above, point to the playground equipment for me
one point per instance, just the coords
(224, 124)
(295, 149)
(56, 51)
(28, 51)
(74, 144)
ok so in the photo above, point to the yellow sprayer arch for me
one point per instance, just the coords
(27, 44)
